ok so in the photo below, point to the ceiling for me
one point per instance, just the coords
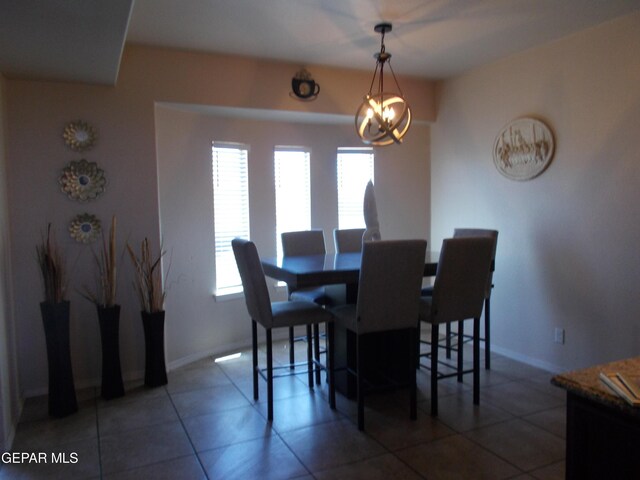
(82, 40)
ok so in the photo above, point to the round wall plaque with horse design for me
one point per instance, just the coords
(523, 149)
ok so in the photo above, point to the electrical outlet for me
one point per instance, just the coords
(559, 336)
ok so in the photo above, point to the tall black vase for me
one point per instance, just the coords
(62, 393)
(109, 319)
(155, 371)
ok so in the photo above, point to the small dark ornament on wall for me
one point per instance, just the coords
(304, 87)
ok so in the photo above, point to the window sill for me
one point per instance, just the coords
(228, 294)
(237, 293)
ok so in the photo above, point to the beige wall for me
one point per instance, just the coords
(125, 118)
(9, 395)
(568, 247)
(184, 169)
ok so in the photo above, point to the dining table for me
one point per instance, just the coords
(339, 274)
(305, 271)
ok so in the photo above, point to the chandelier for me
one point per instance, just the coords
(383, 117)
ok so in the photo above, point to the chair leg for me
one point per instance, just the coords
(292, 353)
(360, 384)
(487, 338)
(434, 370)
(254, 343)
(310, 356)
(331, 364)
(316, 348)
(269, 377)
(476, 361)
(460, 352)
(448, 339)
(418, 345)
(413, 359)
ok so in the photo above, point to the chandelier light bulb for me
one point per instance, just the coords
(388, 114)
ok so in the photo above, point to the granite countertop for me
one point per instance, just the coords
(586, 383)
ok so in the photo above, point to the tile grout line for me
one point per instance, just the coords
(515, 417)
(253, 404)
(186, 432)
(96, 400)
(343, 415)
(278, 433)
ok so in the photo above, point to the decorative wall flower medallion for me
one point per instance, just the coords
(82, 181)
(79, 136)
(523, 149)
(85, 228)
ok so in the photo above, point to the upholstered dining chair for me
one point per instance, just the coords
(388, 300)
(493, 235)
(305, 242)
(476, 232)
(458, 294)
(348, 240)
(277, 315)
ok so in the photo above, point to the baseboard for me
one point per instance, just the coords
(279, 334)
(534, 362)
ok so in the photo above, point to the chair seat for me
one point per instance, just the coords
(292, 313)
(313, 295)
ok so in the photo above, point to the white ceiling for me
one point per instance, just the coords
(75, 40)
(82, 40)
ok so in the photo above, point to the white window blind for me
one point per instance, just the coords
(230, 210)
(355, 169)
(292, 185)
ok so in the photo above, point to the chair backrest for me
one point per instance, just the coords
(254, 284)
(305, 242)
(459, 287)
(389, 286)
(479, 232)
(348, 239)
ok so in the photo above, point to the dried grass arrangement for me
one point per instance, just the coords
(52, 267)
(148, 277)
(104, 294)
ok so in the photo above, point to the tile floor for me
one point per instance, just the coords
(205, 425)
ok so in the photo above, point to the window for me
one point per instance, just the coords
(355, 169)
(230, 210)
(293, 198)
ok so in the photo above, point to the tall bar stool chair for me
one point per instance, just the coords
(458, 294)
(388, 300)
(305, 242)
(492, 234)
(348, 240)
(277, 315)
(466, 233)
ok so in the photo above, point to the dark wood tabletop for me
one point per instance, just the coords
(330, 269)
